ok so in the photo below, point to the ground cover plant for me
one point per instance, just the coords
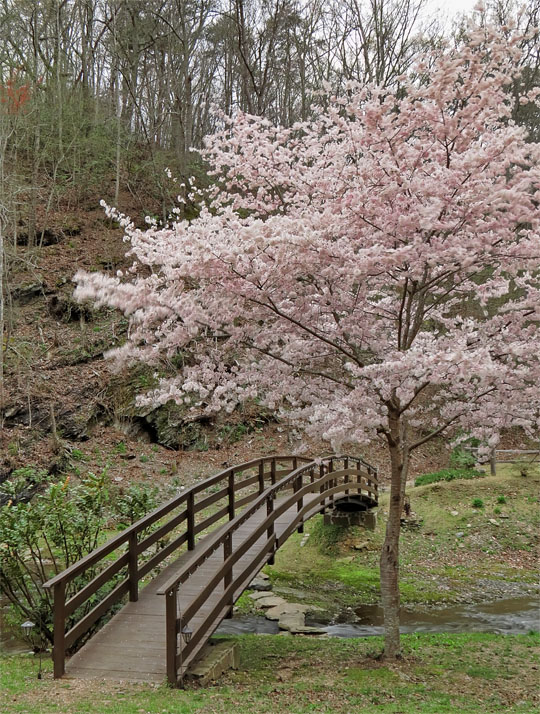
(442, 674)
(374, 271)
(458, 554)
(447, 475)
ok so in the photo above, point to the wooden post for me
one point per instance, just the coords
(190, 521)
(171, 635)
(492, 462)
(331, 482)
(270, 529)
(227, 552)
(359, 477)
(346, 479)
(322, 489)
(230, 490)
(261, 477)
(300, 503)
(133, 572)
(273, 472)
(59, 646)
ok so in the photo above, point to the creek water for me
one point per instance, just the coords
(9, 642)
(513, 616)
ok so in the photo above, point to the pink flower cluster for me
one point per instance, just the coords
(381, 259)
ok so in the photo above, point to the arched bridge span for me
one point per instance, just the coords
(185, 564)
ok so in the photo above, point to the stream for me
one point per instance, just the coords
(9, 643)
(514, 616)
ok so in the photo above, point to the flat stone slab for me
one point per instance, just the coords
(213, 662)
(295, 624)
(292, 621)
(289, 608)
(258, 595)
(260, 584)
(306, 630)
(270, 601)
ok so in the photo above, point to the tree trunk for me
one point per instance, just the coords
(389, 563)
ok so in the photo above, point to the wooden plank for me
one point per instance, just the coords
(247, 499)
(245, 483)
(162, 531)
(203, 525)
(210, 500)
(162, 554)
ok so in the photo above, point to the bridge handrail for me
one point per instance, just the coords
(327, 486)
(63, 609)
(150, 518)
(259, 530)
(218, 539)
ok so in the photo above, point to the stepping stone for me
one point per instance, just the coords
(295, 624)
(289, 608)
(292, 621)
(306, 630)
(270, 601)
(260, 584)
(258, 595)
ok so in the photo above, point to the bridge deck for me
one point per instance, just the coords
(131, 646)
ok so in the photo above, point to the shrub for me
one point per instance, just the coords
(461, 458)
(447, 475)
(43, 536)
(135, 502)
(477, 503)
(501, 499)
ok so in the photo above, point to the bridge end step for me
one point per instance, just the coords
(215, 659)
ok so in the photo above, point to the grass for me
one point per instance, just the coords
(475, 674)
(456, 545)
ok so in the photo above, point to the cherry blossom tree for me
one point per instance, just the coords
(373, 272)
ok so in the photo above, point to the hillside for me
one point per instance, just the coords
(66, 411)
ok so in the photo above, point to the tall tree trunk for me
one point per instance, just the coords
(389, 562)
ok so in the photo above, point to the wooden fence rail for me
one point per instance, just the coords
(87, 590)
(323, 480)
(185, 510)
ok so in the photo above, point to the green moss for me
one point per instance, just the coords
(244, 604)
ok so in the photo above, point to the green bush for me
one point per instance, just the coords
(447, 475)
(42, 536)
(135, 502)
(477, 503)
(43, 533)
(461, 458)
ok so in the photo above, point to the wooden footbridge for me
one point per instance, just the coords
(183, 566)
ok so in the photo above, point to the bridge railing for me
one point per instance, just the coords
(323, 480)
(88, 589)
